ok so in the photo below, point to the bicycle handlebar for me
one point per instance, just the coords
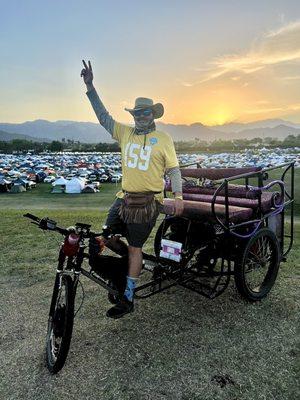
(31, 216)
(51, 225)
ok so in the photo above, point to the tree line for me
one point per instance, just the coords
(19, 145)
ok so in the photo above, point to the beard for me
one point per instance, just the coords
(143, 124)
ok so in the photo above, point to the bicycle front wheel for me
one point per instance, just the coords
(60, 324)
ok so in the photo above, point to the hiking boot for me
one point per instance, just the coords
(114, 298)
(123, 307)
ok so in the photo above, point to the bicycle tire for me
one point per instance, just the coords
(60, 326)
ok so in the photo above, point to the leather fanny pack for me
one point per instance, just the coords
(138, 208)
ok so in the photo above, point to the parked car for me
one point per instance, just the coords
(116, 178)
(49, 179)
(103, 178)
(93, 177)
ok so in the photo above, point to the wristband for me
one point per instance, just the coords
(179, 196)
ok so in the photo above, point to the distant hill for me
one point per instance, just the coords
(190, 132)
(279, 132)
(202, 132)
(83, 131)
(90, 132)
(7, 137)
(266, 123)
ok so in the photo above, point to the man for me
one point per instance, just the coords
(147, 154)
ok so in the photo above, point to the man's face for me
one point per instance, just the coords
(143, 118)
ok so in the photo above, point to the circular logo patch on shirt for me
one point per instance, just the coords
(153, 140)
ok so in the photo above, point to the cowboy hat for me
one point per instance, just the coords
(144, 102)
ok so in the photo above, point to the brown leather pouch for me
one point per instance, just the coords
(138, 207)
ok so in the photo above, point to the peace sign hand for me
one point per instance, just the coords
(87, 73)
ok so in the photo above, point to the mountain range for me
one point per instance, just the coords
(7, 136)
(89, 132)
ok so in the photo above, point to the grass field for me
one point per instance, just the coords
(176, 345)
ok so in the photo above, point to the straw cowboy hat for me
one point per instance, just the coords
(144, 102)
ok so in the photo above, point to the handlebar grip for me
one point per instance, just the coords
(31, 216)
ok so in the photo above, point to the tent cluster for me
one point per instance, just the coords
(248, 158)
(74, 185)
(84, 172)
(16, 185)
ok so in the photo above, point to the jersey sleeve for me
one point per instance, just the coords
(102, 114)
(116, 129)
(171, 160)
(120, 131)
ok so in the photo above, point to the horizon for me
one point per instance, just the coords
(163, 122)
(212, 64)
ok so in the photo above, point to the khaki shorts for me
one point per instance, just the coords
(136, 234)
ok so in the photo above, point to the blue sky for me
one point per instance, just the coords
(182, 53)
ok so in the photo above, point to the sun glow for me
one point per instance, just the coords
(220, 117)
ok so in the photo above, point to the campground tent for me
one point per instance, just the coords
(40, 176)
(59, 185)
(89, 189)
(21, 181)
(17, 188)
(60, 181)
(75, 185)
(5, 185)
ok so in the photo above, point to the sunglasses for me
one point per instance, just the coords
(145, 112)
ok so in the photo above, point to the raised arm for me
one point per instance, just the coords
(102, 114)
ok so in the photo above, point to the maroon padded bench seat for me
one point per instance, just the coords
(233, 190)
(216, 173)
(194, 209)
(267, 200)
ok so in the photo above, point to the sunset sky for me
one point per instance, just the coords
(206, 61)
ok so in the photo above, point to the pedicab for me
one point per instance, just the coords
(229, 227)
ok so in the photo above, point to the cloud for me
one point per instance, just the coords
(291, 107)
(274, 48)
(264, 110)
(184, 83)
(290, 78)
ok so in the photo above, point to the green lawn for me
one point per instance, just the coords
(41, 198)
(176, 345)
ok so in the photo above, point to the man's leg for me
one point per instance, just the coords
(113, 221)
(137, 235)
(117, 245)
(135, 261)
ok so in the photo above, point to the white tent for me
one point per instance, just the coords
(60, 181)
(75, 185)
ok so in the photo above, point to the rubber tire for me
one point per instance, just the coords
(56, 366)
(270, 277)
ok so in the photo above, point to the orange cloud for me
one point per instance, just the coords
(274, 48)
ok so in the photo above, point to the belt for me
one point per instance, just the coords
(125, 191)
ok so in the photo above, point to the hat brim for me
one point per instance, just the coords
(157, 109)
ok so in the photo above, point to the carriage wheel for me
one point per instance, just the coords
(60, 324)
(256, 271)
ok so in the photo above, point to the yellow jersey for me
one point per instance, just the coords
(145, 159)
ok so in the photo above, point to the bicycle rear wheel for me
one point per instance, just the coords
(60, 324)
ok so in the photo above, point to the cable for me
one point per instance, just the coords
(82, 299)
